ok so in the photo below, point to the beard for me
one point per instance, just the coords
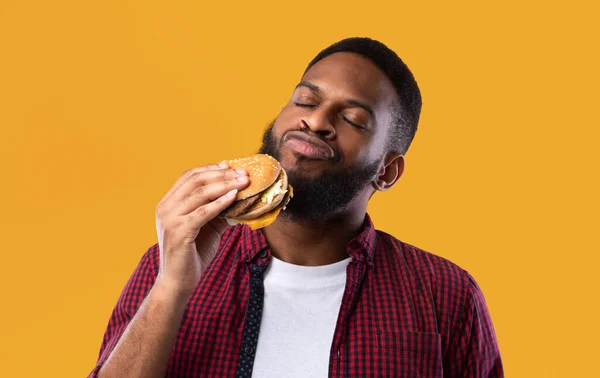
(320, 197)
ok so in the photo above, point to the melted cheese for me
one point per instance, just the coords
(273, 191)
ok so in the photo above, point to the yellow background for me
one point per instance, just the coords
(104, 103)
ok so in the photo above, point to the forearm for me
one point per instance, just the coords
(144, 348)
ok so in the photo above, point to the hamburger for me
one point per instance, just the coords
(265, 196)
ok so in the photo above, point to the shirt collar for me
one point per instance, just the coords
(360, 248)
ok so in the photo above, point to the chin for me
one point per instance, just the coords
(299, 174)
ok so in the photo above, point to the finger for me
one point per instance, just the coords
(186, 175)
(208, 193)
(203, 214)
(200, 179)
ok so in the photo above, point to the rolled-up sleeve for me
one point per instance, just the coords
(134, 292)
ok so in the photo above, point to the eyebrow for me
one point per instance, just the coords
(311, 86)
(317, 90)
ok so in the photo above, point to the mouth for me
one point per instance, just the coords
(308, 146)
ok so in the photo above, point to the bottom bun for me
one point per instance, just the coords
(256, 223)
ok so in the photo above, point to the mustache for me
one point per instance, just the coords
(336, 152)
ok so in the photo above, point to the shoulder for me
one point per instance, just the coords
(425, 264)
(451, 287)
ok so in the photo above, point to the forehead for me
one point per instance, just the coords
(352, 75)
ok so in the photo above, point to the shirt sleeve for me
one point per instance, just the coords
(134, 292)
(474, 351)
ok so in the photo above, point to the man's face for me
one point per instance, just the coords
(331, 136)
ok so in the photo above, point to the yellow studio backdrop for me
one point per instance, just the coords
(104, 104)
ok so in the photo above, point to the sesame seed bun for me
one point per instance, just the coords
(262, 169)
(266, 195)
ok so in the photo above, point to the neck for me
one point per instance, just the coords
(313, 243)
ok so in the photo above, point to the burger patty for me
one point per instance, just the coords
(240, 207)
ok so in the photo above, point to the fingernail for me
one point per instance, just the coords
(241, 171)
(232, 193)
(223, 164)
(242, 178)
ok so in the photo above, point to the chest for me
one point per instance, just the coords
(374, 329)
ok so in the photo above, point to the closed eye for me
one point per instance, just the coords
(299, 104)
(352, 123)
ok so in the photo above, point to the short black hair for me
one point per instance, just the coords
(406, 116)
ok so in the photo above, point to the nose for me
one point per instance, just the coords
(319, 123)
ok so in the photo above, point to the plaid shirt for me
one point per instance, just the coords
(404, 313)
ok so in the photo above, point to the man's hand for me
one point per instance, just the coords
(188, 229)
(189, 233)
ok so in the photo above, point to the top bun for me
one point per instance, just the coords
(262, 169)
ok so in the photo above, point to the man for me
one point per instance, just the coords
(319, 292)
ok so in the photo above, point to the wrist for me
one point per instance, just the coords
(166, 290)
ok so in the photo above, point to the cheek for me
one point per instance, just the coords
(360, 150)
(352, 149)
(286, 120)
(378, 144)
(290, 113)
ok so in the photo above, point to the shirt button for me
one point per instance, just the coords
(248, 350)
(263, 254)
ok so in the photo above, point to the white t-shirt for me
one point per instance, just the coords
(300, 312)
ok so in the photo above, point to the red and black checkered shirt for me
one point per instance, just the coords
(404, 313)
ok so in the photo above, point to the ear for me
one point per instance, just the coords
(390, 172)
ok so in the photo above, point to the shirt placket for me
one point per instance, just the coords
(254, 309)
(338, 359)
